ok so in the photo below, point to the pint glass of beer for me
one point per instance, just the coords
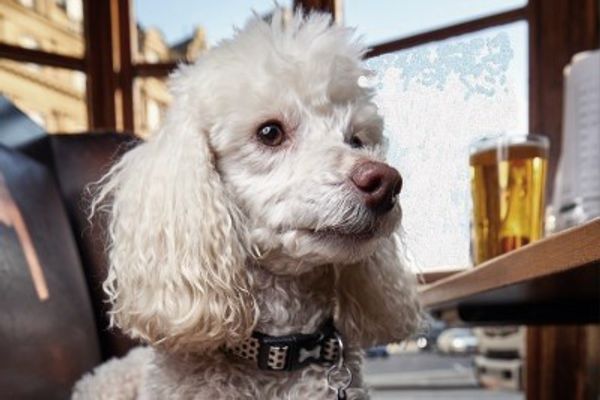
(508, 179)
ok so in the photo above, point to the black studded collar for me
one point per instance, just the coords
(290, 352)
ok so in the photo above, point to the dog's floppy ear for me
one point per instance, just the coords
(178, 248)
(377, 299)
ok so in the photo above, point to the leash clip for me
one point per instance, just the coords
(339, 376)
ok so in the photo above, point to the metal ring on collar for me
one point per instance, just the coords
(339, 376)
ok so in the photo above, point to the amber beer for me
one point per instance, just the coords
(508, 177)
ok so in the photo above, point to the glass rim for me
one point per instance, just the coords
(499, 141)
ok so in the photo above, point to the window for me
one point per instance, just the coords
(41, 65)
(29, 42)
(437, 98)
(52, 97)
(114, 59)
(151, 97)
(74, 10)
(78, 81)
(191, 27)
(442, 83)
(153, 114)
(37, 117)
(151, 56)
(27, 3)
(402, 19)
(54, 27)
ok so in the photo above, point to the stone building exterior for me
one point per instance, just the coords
(56, 98)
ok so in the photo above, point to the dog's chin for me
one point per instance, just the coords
(342, 247)
(353, 243)
(334, 235)
(299, 250)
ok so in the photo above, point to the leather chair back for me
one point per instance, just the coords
(48, 337)
(78, 161)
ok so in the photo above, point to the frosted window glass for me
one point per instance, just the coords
(436, 99)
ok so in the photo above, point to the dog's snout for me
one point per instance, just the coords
(378, 183)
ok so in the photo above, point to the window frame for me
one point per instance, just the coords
(557, 30)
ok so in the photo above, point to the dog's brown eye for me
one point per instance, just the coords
(271, 134)
(355, 142)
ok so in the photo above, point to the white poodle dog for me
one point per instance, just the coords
(253, 235)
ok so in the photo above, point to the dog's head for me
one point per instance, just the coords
(296, 140)
(271, 150)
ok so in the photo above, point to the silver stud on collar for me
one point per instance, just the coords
(277, 357)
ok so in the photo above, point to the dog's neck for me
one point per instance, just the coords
(294, 303)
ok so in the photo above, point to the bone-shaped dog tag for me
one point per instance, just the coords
(314, 353)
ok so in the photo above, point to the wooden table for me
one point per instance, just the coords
(553, 283)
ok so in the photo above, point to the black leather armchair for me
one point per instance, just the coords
(52, 321)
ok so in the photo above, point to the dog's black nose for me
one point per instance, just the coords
(378, 183)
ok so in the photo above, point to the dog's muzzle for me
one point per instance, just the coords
(290, 352)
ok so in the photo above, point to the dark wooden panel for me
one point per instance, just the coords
(40, 57)
(558, 366)
(157, 69)
(563, 362)
(99, 65)
(569, 297)
(123, 31)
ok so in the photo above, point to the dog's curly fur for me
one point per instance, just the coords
(214, 235)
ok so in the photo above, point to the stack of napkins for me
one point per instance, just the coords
(577, 187)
